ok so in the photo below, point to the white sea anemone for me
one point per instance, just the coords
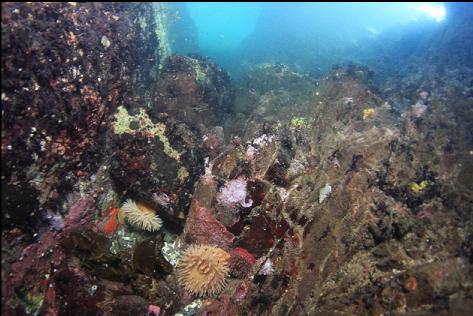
(141, 216)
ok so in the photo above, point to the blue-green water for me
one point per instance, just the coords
(307, 36)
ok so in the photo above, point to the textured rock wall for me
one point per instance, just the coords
(362, 209)
(66, 68)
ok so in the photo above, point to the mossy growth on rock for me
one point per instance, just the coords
(298, 122)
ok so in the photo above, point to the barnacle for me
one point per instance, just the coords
(202, 270)
(141, 216)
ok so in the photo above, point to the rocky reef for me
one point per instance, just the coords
(318, 196)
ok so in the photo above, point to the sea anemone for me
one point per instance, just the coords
(141, 216)
(202, 270)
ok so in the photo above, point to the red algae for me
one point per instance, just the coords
(242, 252)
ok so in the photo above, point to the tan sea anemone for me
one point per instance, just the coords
(202, 270)
(141, 216)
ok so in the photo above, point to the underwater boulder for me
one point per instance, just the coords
(155, 161)
(193, 91)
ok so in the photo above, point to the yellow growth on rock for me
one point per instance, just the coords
(203, 270)
(182, 174)
(200, 75)
(122, 126)
(368, 113)
(418, 187)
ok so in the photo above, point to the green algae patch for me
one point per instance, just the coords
(298, 122)
(33, 304)
(200, 75)
(161, 29)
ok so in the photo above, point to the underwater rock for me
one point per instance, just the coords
(154, 164)
(202, 228)
(327, 195)
(61, 82)
(95, 251)
(80, 214)
(147, 258)
(268, 94)
(28, 274)
(241, 263)
(213, 141)
(276, 82)
(193, 91)
(77, 292)
(369, 166)
(221, 306)
(259, 236)
(20, 208)
(126, 305)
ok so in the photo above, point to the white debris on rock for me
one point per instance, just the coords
(250, 152)
(190, 309)
(282, 193)
(267, 268)
(171, 252)
(324, 192)
(420, 107)
(263, 140)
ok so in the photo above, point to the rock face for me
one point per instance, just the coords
(87, 124)
(331, 197)
(366, 246)
(155, 162)
(67, 67)
(194, 91)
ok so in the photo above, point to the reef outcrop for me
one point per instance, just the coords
(321, 195)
